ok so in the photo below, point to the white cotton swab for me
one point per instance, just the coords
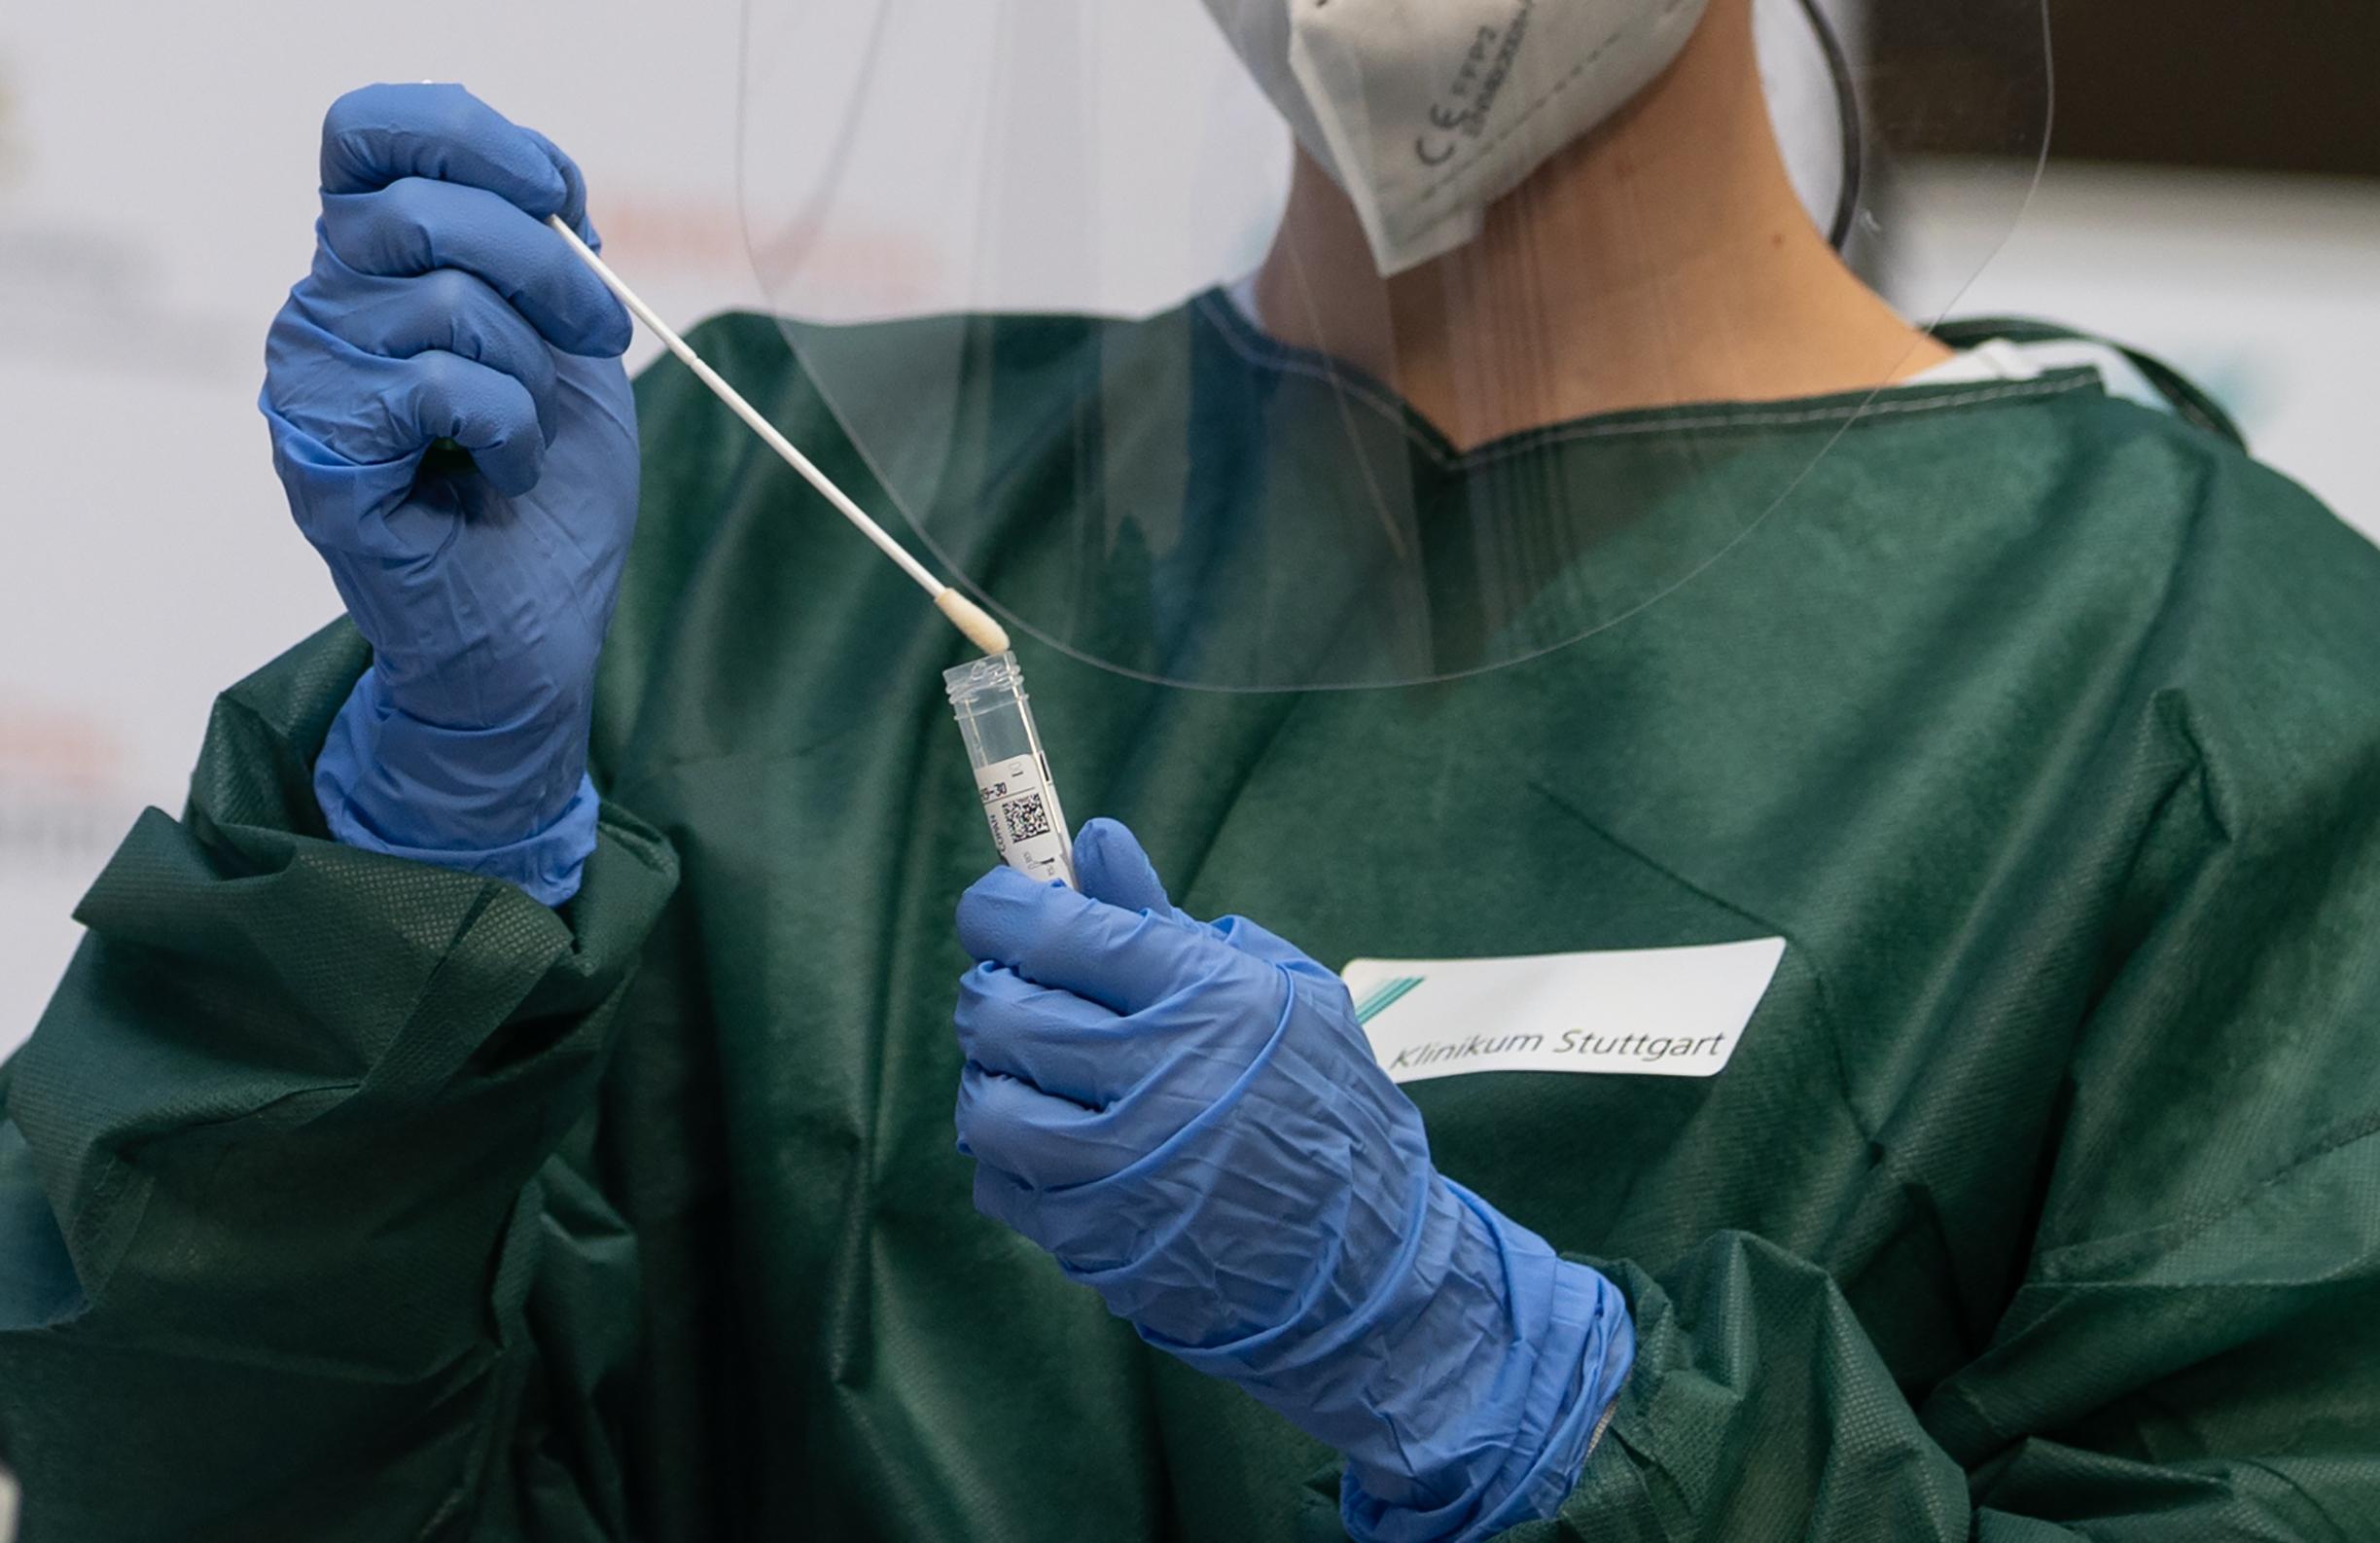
(964, 614)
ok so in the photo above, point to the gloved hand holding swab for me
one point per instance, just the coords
(964, 614)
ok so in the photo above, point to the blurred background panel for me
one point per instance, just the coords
(2214, 198)
(2220, 84)
(156, 199)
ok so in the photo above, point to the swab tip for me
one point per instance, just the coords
(973, 620)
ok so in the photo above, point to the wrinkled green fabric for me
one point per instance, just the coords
(342, 1198)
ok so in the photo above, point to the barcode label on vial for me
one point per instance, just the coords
(1026, 827)
(1024, 820)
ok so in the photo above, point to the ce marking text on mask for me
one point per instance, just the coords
(1487, 68)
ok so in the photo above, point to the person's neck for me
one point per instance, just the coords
(1662, 260)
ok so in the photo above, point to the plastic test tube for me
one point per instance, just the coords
(1021, 799)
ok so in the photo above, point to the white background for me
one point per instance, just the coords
(156, 194)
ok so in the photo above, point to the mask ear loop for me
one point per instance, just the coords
(1855, 137)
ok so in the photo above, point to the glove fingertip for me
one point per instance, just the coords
(615, 331)
(571, 203)
(595, 326)
(512, 468)
(1115, 869)
(982, 914)
(996, 1195)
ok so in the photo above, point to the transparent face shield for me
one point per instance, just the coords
(1265, 344)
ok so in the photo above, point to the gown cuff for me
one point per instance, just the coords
(388, 783)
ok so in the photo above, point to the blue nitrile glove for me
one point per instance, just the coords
(440, 309)
(1189, 1116)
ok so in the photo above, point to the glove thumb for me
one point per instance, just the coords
(1113, 868)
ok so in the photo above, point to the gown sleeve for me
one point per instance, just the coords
(271, 1193)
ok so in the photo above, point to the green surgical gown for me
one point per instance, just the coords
(344, 1198)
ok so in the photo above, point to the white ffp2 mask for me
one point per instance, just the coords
(1428, 111)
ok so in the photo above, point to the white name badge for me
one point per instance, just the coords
(1631, 1012)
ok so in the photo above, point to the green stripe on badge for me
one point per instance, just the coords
(1385, 996)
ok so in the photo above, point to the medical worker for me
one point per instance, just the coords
(1869, 838)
